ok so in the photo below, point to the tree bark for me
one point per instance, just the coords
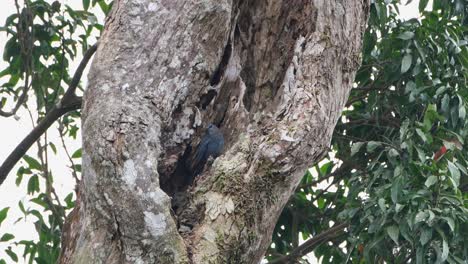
(273, 75)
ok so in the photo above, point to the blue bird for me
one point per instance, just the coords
(211, 145)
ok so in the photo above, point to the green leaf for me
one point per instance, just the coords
(406, 35)
(430, 181)
(405, 232)
(406, 63)
(462, 112)
(356, 147)
(422, 135)
(445, 105)
(445, 250)
(3, 214)
(396, 189)
(326, 168)
(398, 171)
(410, 87)
(21, 207)
(420, 217)
(69, 200)
(77, 167)
(85, 4)
(321, 203)
(430, 116)
(441, 90)
(33, 184)
(421, 154)
(398, 207)
(455, 173)
(422, 5)
(12, 254)
(32, 162)
(73, 130)
(393, 231)
(40, 201)
(104, 7)
(462, 168)
(431, 217)
(450, 222)
(77, 154)
(393, 153)
(19, 175)
(382, 205)
(52, 146)
(426, 235)
(372, 145)
(6, 237)
(454, 111)
(404, 129)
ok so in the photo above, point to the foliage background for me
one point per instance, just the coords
(381, 195)
(401, 203)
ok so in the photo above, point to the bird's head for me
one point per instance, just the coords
(212, 129)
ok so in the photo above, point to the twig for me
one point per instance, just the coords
(346, 166)
(75, 175)
(335, 180)
(70, 93)
(295, 229)
(311, 244)
(69, 102)
(313, 183)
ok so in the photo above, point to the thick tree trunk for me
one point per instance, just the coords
(273, 75)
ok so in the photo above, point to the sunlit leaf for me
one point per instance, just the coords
(454, 172)
(6, 237)
(77, 154)
(406, 35)
(393, 231)
(32, 162)
(406, 63)
(3, 214)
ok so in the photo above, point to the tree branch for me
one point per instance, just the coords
(311, 244)
(79, 71)
(24, 38)
(69, 102)
(346, 166)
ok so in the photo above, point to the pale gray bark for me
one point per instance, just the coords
(280, 73)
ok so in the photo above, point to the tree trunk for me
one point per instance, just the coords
(273, 75)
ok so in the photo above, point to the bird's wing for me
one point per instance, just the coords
(200, 156)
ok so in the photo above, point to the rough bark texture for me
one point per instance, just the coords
(273, 75)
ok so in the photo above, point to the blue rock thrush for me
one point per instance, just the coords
(211, 145)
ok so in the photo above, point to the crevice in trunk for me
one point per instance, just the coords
(179, 180)
(219, 72)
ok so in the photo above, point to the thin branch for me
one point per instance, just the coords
(73, 167)
(388, 122)
(42, 154)
(273, 253)
(356, 139)
(24, 38)
(313, 183)
(70, 93)
(295, 229)
(311, 244)
(335, 181)
(346, 166)
(69, 102)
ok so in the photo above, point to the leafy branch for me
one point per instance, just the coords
(69, 102)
